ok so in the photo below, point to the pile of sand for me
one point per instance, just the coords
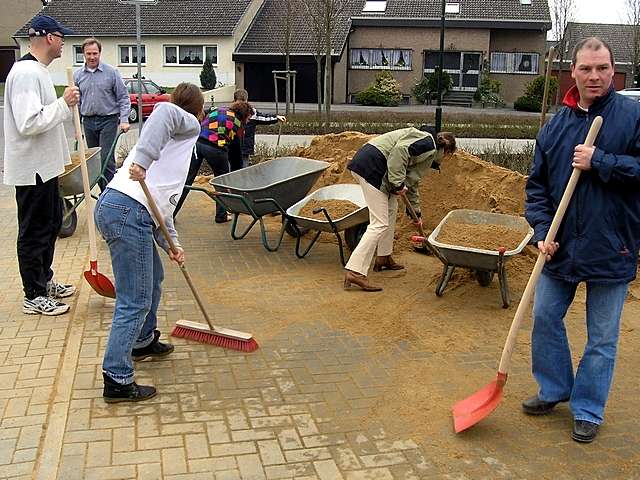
(464, 181)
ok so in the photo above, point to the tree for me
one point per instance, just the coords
(291, 15)
(325, 15)
(313, 19)
(208, 78)
(561, 14)
(633, 19)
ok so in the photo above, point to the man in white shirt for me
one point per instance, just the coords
(35, 153)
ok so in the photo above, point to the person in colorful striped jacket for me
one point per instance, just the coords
(217, 132)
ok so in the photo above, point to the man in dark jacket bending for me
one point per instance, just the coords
(597, 243)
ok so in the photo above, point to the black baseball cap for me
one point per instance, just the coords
(43, 24)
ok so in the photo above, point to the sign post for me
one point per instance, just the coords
(137, 4)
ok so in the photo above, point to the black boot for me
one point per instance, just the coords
(115, 392)
(535, 406)
(155, 349)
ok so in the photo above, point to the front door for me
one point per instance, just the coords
(462, 67)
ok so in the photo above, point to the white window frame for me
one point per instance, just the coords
(132, 50)
(77, 50)
(508, 62)
(177, 47)
(373, 52)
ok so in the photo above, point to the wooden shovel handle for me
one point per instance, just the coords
(412, 213)
(505, 360)
(547, 80)
(172, 246)
(93, 249)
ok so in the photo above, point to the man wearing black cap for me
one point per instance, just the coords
(35, 153)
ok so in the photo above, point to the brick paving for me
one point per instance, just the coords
(316, 401)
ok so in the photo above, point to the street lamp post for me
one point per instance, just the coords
(441, 71)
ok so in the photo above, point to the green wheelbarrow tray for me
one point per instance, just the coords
(484, 263)
(71, 189)
(262, 189)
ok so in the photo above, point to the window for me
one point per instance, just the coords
(375, 6)
(78, 57)
(132, 87)
(128, 54)
(452, 8)
(380, 59)
(521, 63)
(190, 54)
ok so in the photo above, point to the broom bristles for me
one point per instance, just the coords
(213, 338)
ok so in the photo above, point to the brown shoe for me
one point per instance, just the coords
(386, 263)
(359, 280)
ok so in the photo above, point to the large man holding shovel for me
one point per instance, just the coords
(597, 243)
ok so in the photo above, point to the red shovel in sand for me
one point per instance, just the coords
(100, 283)
(471, 410)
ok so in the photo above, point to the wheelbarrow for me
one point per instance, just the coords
(262, 189)
(354, 224)
(71, 190)
(484, 263)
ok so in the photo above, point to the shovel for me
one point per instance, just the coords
(471, 410)
(426, 247)
(100, 283)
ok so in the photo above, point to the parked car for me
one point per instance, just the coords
(632, 93)
(151, 94)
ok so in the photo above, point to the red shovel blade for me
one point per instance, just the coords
(100, 283)
(468, 412)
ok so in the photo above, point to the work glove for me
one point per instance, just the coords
(398, 190)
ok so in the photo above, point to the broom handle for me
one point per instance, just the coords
(172, 246)
(93, 249)
(505, 360)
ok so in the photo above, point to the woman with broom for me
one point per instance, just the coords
(124, 218)
(389, 165)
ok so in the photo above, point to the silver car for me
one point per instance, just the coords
(632, 93)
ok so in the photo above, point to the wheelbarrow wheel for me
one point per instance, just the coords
(291, 230)
(352, 235)
(70, 221)
(484, 277)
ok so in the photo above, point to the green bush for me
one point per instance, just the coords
(535, 89)
(527, 104)
(208, 78)
(427, 88)
(421, 91)
(489, 92)
(384, 91)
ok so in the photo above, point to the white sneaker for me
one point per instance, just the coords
(59, 290)
(44, 306)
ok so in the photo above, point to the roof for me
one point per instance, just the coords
(494, 10)
(619, 37)
(262, 37)
(167, 17)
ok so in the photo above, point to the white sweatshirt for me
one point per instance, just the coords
(164, 150)
(35, 141)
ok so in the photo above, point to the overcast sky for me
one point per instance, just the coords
(600, 11)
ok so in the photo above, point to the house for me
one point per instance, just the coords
(177, 36)
(620, 39)
(15, 13)
(506, 37)
(244, 39)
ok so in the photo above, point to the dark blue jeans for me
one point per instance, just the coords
(127, 227)
(218, 161)
(101, 132)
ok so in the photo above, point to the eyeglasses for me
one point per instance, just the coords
(59, 35)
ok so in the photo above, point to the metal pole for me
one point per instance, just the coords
(441, 62)
(139, 47)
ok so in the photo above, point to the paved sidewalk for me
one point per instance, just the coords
(342, 387)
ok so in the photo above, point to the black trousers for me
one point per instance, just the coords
(39, 222)
(218, 160)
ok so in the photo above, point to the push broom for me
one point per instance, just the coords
(471, 410)
(222, 337)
